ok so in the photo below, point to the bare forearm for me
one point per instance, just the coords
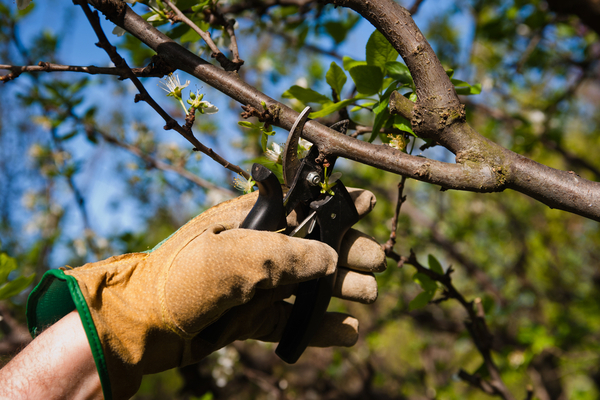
(58, 364)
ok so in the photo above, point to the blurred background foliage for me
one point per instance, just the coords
(85, 173)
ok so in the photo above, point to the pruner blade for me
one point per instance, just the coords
(306, 226)
(290, 159)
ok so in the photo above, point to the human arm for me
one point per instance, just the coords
(58, 364)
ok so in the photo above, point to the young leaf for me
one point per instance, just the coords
(380, 51)
(399, 72)
(464, 88)
(336, 78)
(403, 124)
(425, 282)
(435, 265)
(331, 108)
(7, 265)
(264, 141)
(421, 300)
(16, 286)
(306, 95)
(248, 124)
(368, 79)
(350, 63)
(380, 120)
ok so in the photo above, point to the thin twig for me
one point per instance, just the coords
(227, 64)
(388, 247)
(415, 7)
(79, 199)
(17, 70)
(477, 328)
(159, 164)
(143, 95)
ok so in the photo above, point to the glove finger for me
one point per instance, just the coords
(355, 286)
(349, 285)
(220, 269)
(263, 320)
(361, 252)
(364, 200)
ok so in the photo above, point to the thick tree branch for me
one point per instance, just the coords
(482, 166)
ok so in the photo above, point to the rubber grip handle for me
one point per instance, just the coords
(335, 215)
(268, 213)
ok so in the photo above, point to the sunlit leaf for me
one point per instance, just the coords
(368, 79)
(336, 78)
(380, 51)
(306, 95)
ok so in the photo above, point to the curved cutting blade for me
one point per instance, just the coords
(290, 159)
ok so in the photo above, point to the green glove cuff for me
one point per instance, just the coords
(55, 296)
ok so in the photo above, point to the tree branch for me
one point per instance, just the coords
(42, 66)
(227, 64)
(145, 96)
(481, 165)
(477, 327)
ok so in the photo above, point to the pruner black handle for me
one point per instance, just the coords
(268, 213)
(335, 215)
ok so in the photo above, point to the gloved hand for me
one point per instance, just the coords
(142, 312)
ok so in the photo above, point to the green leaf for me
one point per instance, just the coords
(336, 30)
(435, 265)
(399, 72)
(16, 286)
(425, 282)
(248, 124)
(336, 78)
(264, 141)
(380, 120)
(450, 73)
(7, 265)
(306, 95)
(382, 105)
(403, 124)
(331, 108)
(421, 300)
(190, 37)
(368, 79)
(464, 88)
(380, 51)
(350, 63)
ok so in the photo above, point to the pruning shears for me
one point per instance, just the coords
(325, 211)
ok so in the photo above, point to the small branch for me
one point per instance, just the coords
(155, 163)
(415, 7)
(477, 327)
(216, 53)
(151, 161)
(388, 247)
(145, 96)
(16, 70)
(79, 199)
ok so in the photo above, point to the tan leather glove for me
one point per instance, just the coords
(142, 312)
